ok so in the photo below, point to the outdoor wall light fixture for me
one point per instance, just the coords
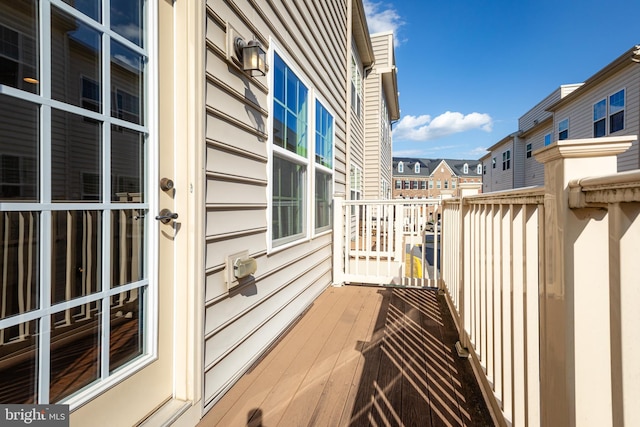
(252, 56)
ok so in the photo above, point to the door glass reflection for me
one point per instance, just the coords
(19, 150)
(127, 78)
(19, 62)
(76, 255)
(126, 341)
(19, 363)
(76, 158)
(75, 350)
(19, 252)
(75, 61)
(127, 246)
(127, 165)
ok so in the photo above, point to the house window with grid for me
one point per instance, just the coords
(563, 130)
(356, 86)
(616, 111)
(400, 167)
(465, 168)
(431, 184)
(446, 184)
(600, 118)
(398, 184)
(290, 154)
(323, 167)
(506, 160)
(74, 238)
(528, 150)
(493, 163)
(416, 168)
(423, 185)
(547, 139)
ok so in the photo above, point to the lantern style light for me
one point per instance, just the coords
(252, 57)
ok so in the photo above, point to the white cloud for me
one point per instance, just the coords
(382, 17)
(424, 128)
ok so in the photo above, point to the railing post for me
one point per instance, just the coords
(575, 363)
(339, 220)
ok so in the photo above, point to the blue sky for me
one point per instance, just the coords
(468, 69)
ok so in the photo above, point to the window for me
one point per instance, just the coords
(506, 160)
(600, 118)
(479, 169)
(547, 139)
(484, 169)
(355, 185)
(493, 162)
(356, 86)
(416, 168)
(400, 167)
(453, 183)
(465, 168)
(446, 183)
(528, 150)
(74, 185)
(616, 111)
(423, 185)
(324, 167)
(430, 184)
(406, 185)
(290, 162)
(438, 183)
(398, 184)
(563, 130)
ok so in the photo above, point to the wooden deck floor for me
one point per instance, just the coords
(360, 356)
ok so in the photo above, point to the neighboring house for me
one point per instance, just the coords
(382, 109)
(435, 178)
(360, 61)
(606, 104)
(112, 303)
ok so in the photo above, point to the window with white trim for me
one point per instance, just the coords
(416, 168)
(600, 118)
(356, 86)
(616, 111)
(479, 169)
(400, 167)
(547, 139)
(465, 168)
(528, 150)
(324, 167)
(506, 160)
(563, 130)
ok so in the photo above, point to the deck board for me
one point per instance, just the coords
(360, 356)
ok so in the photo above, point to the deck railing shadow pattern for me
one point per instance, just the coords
(411, 374)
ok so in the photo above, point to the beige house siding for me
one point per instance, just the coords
(533, 172)
(579, 110)
(498, 179)
(312, 37)
(380, 86)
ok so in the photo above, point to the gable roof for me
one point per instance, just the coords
(428, 166)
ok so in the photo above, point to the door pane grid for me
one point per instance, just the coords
(73, 303)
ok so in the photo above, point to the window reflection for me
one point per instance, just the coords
(19, 363)
(127, 18)
(75, 350)
(91, 8)
(75, 61)
(126, 84)
(19, 252)
(76, 158)
(19, 149)
(76, 254)
(127, 248)
(127, 165)
(126, 341)
(19, 45)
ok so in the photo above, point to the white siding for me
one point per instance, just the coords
(579, 110)
(241, 325)
(533, 171)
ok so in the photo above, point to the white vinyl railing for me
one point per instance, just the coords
(386, 242)
(543, 285)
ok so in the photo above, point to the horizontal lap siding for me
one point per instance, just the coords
(580, 112)
(240, 325)
(534, 170)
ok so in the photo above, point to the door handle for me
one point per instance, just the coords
(165, 216)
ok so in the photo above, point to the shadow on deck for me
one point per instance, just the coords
(360, 356)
